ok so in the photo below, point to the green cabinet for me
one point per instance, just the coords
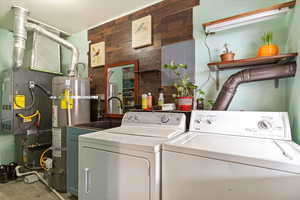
(72, 157)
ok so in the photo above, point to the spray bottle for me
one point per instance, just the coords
(144, 101)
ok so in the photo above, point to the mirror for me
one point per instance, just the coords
(121, 87)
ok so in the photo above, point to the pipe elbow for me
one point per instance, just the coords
(233, 82)
(250, 75)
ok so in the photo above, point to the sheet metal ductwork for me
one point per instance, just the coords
(251, 75)
(21, 26)
(20, 35)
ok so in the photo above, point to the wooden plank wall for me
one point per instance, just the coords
(172, 22)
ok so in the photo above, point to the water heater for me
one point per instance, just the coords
(71, 106)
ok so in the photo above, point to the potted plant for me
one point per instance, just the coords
(227, 55)
(268, 49)
(201, 101)
(185, 88)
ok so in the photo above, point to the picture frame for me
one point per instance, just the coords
(142, 32)
(97, 54)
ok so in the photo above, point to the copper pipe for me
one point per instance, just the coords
(251, 75)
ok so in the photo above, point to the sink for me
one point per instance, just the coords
(100, 125)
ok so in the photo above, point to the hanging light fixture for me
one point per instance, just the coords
(249, 17)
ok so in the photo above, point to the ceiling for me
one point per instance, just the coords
(72, 15)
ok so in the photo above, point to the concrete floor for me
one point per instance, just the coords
(18, 190)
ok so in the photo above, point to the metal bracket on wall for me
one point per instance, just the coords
(276, 83)
(217, 80)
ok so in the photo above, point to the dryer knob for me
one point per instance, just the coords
(198, 121)
(164, 119)
(264, 125)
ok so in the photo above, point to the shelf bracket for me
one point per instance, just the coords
(276, 83)
(217, 80)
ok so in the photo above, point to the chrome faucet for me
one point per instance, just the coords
(117, 98)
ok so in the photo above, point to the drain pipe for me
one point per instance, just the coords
(19, 174)
(251, 75)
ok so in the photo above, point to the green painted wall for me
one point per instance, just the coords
(6, 141)
(244, 41)
(293, 86)
(80, 40)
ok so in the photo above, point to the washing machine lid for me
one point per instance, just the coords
(268, 153)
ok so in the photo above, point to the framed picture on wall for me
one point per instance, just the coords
(142, 32)
(97, 54)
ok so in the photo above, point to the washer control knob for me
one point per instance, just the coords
(264, 125)
(208, 121)
(164, 119)
(136, 118)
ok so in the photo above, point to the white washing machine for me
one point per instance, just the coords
(124, 163)
(232, 156)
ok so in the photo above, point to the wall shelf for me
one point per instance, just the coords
(248, 17)
(251, 63)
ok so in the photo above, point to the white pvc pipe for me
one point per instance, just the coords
(19, 174)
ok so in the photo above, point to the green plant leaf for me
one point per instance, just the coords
(201, 92)
(183, 66)
(210, 103)
(267, 38)
(183, 85)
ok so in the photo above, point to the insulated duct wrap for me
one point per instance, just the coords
(20, 35)
(250, 75)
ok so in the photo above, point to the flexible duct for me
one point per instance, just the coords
(20, 35)
(250, 75)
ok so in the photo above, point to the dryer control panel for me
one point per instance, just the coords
(176, 120)
(273, 125)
